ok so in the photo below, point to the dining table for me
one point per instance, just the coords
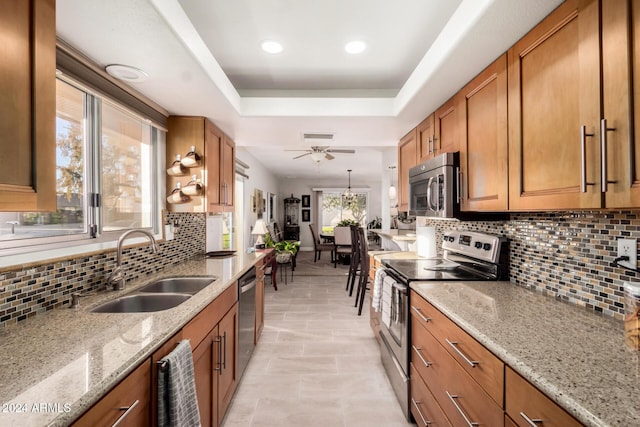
(327, 237)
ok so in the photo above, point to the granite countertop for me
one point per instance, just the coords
(56, 365)
(576, 357)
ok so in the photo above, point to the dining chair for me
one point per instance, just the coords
(318, 247)
(354, 265)
(342, 243)
(364, 269)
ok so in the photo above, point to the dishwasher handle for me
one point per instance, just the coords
(246, 287)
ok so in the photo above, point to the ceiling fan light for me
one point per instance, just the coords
(354, 47)
(317, 156)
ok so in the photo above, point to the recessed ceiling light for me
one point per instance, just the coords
(126, 73)
(355, 47)
(271, 46)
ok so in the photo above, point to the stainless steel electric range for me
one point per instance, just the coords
(466, 256)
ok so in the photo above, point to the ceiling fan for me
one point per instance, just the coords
(318, 153)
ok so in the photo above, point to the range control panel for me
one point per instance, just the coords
(481, 246)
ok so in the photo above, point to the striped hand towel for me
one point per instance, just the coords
(376, 300)
(177, 401)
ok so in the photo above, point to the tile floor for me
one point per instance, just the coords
(317, 362)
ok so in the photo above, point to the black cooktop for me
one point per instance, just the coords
(431, 269)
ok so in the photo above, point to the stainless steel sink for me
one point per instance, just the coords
(181, 285)
(139, 303)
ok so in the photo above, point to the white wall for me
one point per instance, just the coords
(259, 178)
(298, 187)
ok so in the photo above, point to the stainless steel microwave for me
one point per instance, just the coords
(434, 187)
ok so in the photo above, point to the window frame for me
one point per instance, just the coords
(39, 248)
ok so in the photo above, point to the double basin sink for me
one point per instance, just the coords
(161, 294)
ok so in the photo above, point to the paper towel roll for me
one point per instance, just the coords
(426, 242)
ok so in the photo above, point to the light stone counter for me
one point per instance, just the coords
(56, 365)
(393, 239)
(576, 357)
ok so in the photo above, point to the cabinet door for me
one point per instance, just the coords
(204, 377)
(259, 304)
(213, 148)
(446, 129)
(621, 94)
(27, 105)
(554, 90)
(426, 137)
(407, 158)
(524, 403)
(227, 362)
(228, 172)
(126, 404)
(482, 112)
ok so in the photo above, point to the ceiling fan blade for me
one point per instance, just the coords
(328, 156)
(301, 155)
(340, 151)
(300, 149)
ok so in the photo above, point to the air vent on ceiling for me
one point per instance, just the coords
(317, 136)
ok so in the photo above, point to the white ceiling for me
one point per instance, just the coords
(204, 58)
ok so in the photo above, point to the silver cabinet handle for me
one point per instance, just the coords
(454, 345)
(430, 149)
(419, 313)
(529, 421)
(459, 174)
(224, 351)
(583, 159)
(466, 418)
(415, 404)
(219, 362)
(127, 411)
(603, 158)
(417, 350)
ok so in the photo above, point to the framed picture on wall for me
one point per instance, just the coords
(306, 215)
(306, 201)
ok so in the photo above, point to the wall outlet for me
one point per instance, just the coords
(628, 248)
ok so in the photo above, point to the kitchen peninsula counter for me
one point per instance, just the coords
(56, 365)
(394, 239)
(576, 357)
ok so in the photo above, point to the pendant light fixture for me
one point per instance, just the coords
(348, 195)
(393, 192)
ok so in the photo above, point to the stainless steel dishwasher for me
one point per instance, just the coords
(246, 318)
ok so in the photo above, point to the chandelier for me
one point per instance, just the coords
(348, 195)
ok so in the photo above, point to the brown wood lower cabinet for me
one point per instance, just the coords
(490, 394)
(525, 404)
(127, 403)
(213, 336)
(424, 407)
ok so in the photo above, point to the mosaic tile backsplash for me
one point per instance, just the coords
(27, 292)
(565, 255)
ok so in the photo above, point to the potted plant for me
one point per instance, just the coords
(347, 223)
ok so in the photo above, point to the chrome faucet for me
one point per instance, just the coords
(117, 277)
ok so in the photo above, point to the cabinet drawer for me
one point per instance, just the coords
(127, 402)
(454, 389)
(424, 407)
(524, 400)
(480, 363)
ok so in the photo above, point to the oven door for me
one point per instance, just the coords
(394, 337)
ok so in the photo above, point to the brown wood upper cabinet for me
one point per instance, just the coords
(620, 133)
(27, 105)
(426, 135)
(446, 128)
(482, 114)
(217, 170)
(407, 158)
(565, 151)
